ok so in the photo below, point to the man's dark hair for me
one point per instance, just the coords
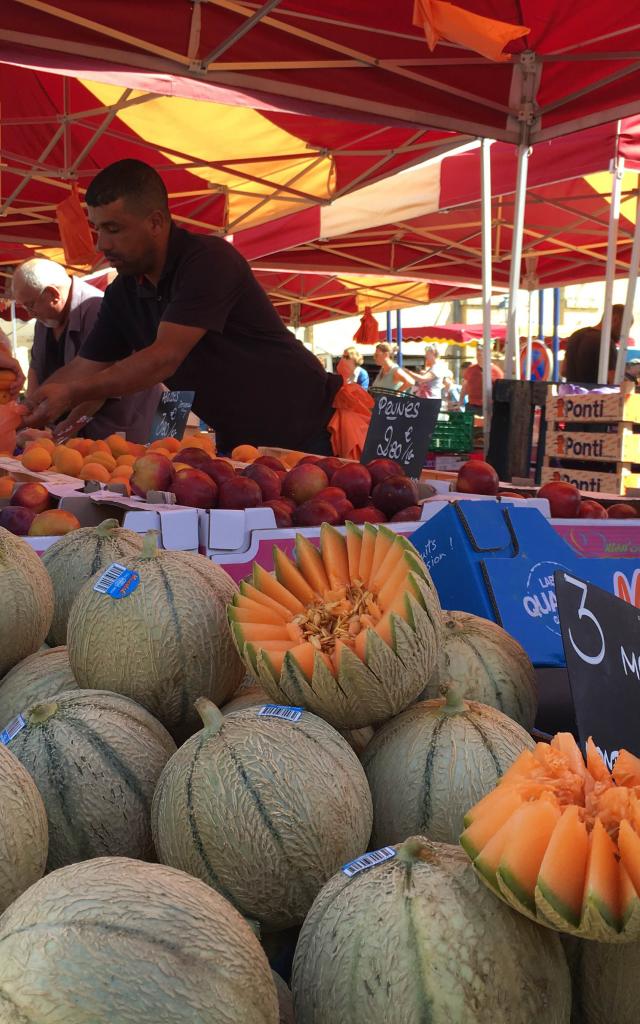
(132, 180)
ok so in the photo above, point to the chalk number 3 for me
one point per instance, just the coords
(584, 613)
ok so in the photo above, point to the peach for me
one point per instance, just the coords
(16, 519)
(7, 483)
(152, 472)
(194, 488)
(270, 461)
(380, 469)
(239, 492)
(281, 512)
(54, 523)
(33, 496)
(315, 512)
(266, 479)
(355, 481)
(394, 493)
(303, 482)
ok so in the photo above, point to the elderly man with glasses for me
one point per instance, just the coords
(66, 309)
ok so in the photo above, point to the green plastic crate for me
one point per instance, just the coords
(453, 433)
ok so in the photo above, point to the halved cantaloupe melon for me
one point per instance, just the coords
(356, 653)
(559, 840)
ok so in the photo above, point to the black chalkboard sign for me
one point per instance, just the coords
(171, 416)
(401, 429)
(601, 639)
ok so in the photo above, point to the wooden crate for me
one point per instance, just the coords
(592, 480)
(619, 446)
(595, 408)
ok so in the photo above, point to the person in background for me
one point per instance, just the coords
(7, 362)
(582, 354)
(186, 310)
(66, 309)
(391, 377)
(351, 369)
(472, 379)
(429, 383)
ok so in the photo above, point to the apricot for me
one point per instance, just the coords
(36, 458)
(245, 453)
(68, 460)
(95, 471)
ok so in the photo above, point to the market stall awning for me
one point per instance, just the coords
(449, 334)
(577, 65)
(226, 167)
(302, 299)
(427, 222)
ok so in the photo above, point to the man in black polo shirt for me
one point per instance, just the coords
(185, 309)
(583, 351)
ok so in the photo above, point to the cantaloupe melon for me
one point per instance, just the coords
(38, 678)
(264, 809)
(351, 653)
(489, 666)
(96, 758)
(166, 643)
(24, 835)
(558, 840)
(606, 981)
(78, 556)
(26, 601)
(119, 941)
(417, 938)
(431, 763)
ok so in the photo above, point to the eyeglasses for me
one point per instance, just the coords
(30, 306)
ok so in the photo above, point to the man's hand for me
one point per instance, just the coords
(25, 436)
(77, 419)
(48, 403)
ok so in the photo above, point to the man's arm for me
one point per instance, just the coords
(141, 370)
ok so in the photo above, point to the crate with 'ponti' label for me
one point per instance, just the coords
(498, 562)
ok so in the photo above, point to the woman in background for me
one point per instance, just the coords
(351, 369)
(391, 377)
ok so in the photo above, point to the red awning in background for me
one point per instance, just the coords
(577, 66)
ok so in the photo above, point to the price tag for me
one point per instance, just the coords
(601, 640)
(401, 429)
(170, 418)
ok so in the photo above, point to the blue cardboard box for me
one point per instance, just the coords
(498, 561)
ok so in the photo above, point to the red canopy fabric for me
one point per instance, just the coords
(566, 219)
(578, 65)
(42, 157)
(454, 334)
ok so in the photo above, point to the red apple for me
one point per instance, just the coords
(194, 488)
(476, 477)
(33, 496)
(409, 514)
(239, 492)
(315, 512)
(270, 461)
(17, 519)
(152, 472)
(394, 493)
(592, 510)
(330, 465)
(564, 499)
(281, 512)
(266, 479)
(621, 510)
(382, 468)
(367, 514)
(303, 482)
(355, 481)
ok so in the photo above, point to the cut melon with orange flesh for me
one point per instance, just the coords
(629, 847)
(274, 660)
(565, 742)
(304, 655)
(384, 544)
(311, 565)
(256, 614)
(533, 825)
(395, 556)
(249, 632)
(602, 888)
(360, 645)
(626, 770)
(562, 873)
(595, 765)
(271, 646)
(333, 548)
(290, 577)
(479, 832)
(396, 580)
(354, 547)
(268, 584)
(369, 535)
(275, 613)
(250, 593)
(522, 768)
(487, 861)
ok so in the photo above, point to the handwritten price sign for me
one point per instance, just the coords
(401, 429)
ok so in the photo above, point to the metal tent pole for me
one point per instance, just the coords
(541, 314)
(617, 170)
(399, 335)
(512, 364)
(627, 316)
(487, 386)
(389, 327)
(556, 336)
(529, 350)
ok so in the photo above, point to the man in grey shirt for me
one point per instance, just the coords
(66, 308)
